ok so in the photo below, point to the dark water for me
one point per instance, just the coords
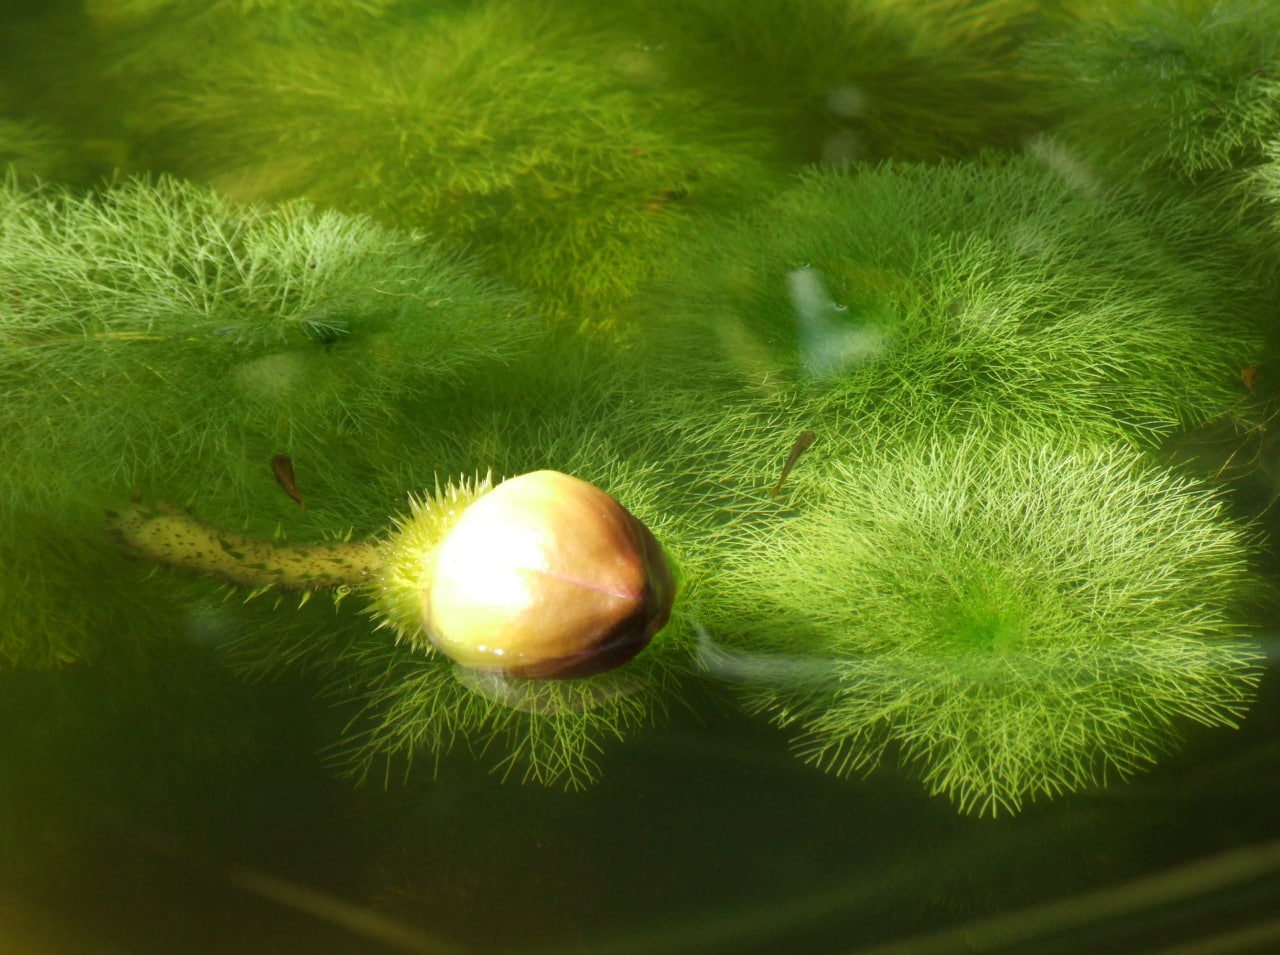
(703, 837)
(160, 803)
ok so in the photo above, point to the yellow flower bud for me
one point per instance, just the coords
(546, 576)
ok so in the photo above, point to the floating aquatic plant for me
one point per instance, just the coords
(413, 709)
(1265, 183)
(544, 576)
(694, 471)
(837, 81)
(234, 357)
(115, 11)
(1012, 619)
(550, 146)
(1183, 92)
(954, 598)
(154, 335)
(974, 294)
(413, 705)
(32, 150)
(517, 612)
(155, 323)
(686, 465)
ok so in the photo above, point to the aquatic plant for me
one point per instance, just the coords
(1265, 182)
(544, 576)
(411, 709)
(171, 343)
(836, 81)
(1012, 618)
(971, 295)
(178, 346)
(32, 150)
(532, 641)
(64, 598)
(550, 146)
(116, 11)
(156, 323)
(689, 468)
(1183, 92)
(292, 372)
(136, 44)
(154, 335)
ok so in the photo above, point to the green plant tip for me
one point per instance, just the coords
(1015, 618)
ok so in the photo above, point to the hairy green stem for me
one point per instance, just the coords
(163, 534)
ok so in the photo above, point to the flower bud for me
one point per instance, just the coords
(546, 576)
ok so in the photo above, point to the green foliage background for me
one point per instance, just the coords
(650, 245)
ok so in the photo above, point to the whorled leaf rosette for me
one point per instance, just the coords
(1183, 92)
(157, 330)
(553, 147)
(1012, 619)
(977, 295)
